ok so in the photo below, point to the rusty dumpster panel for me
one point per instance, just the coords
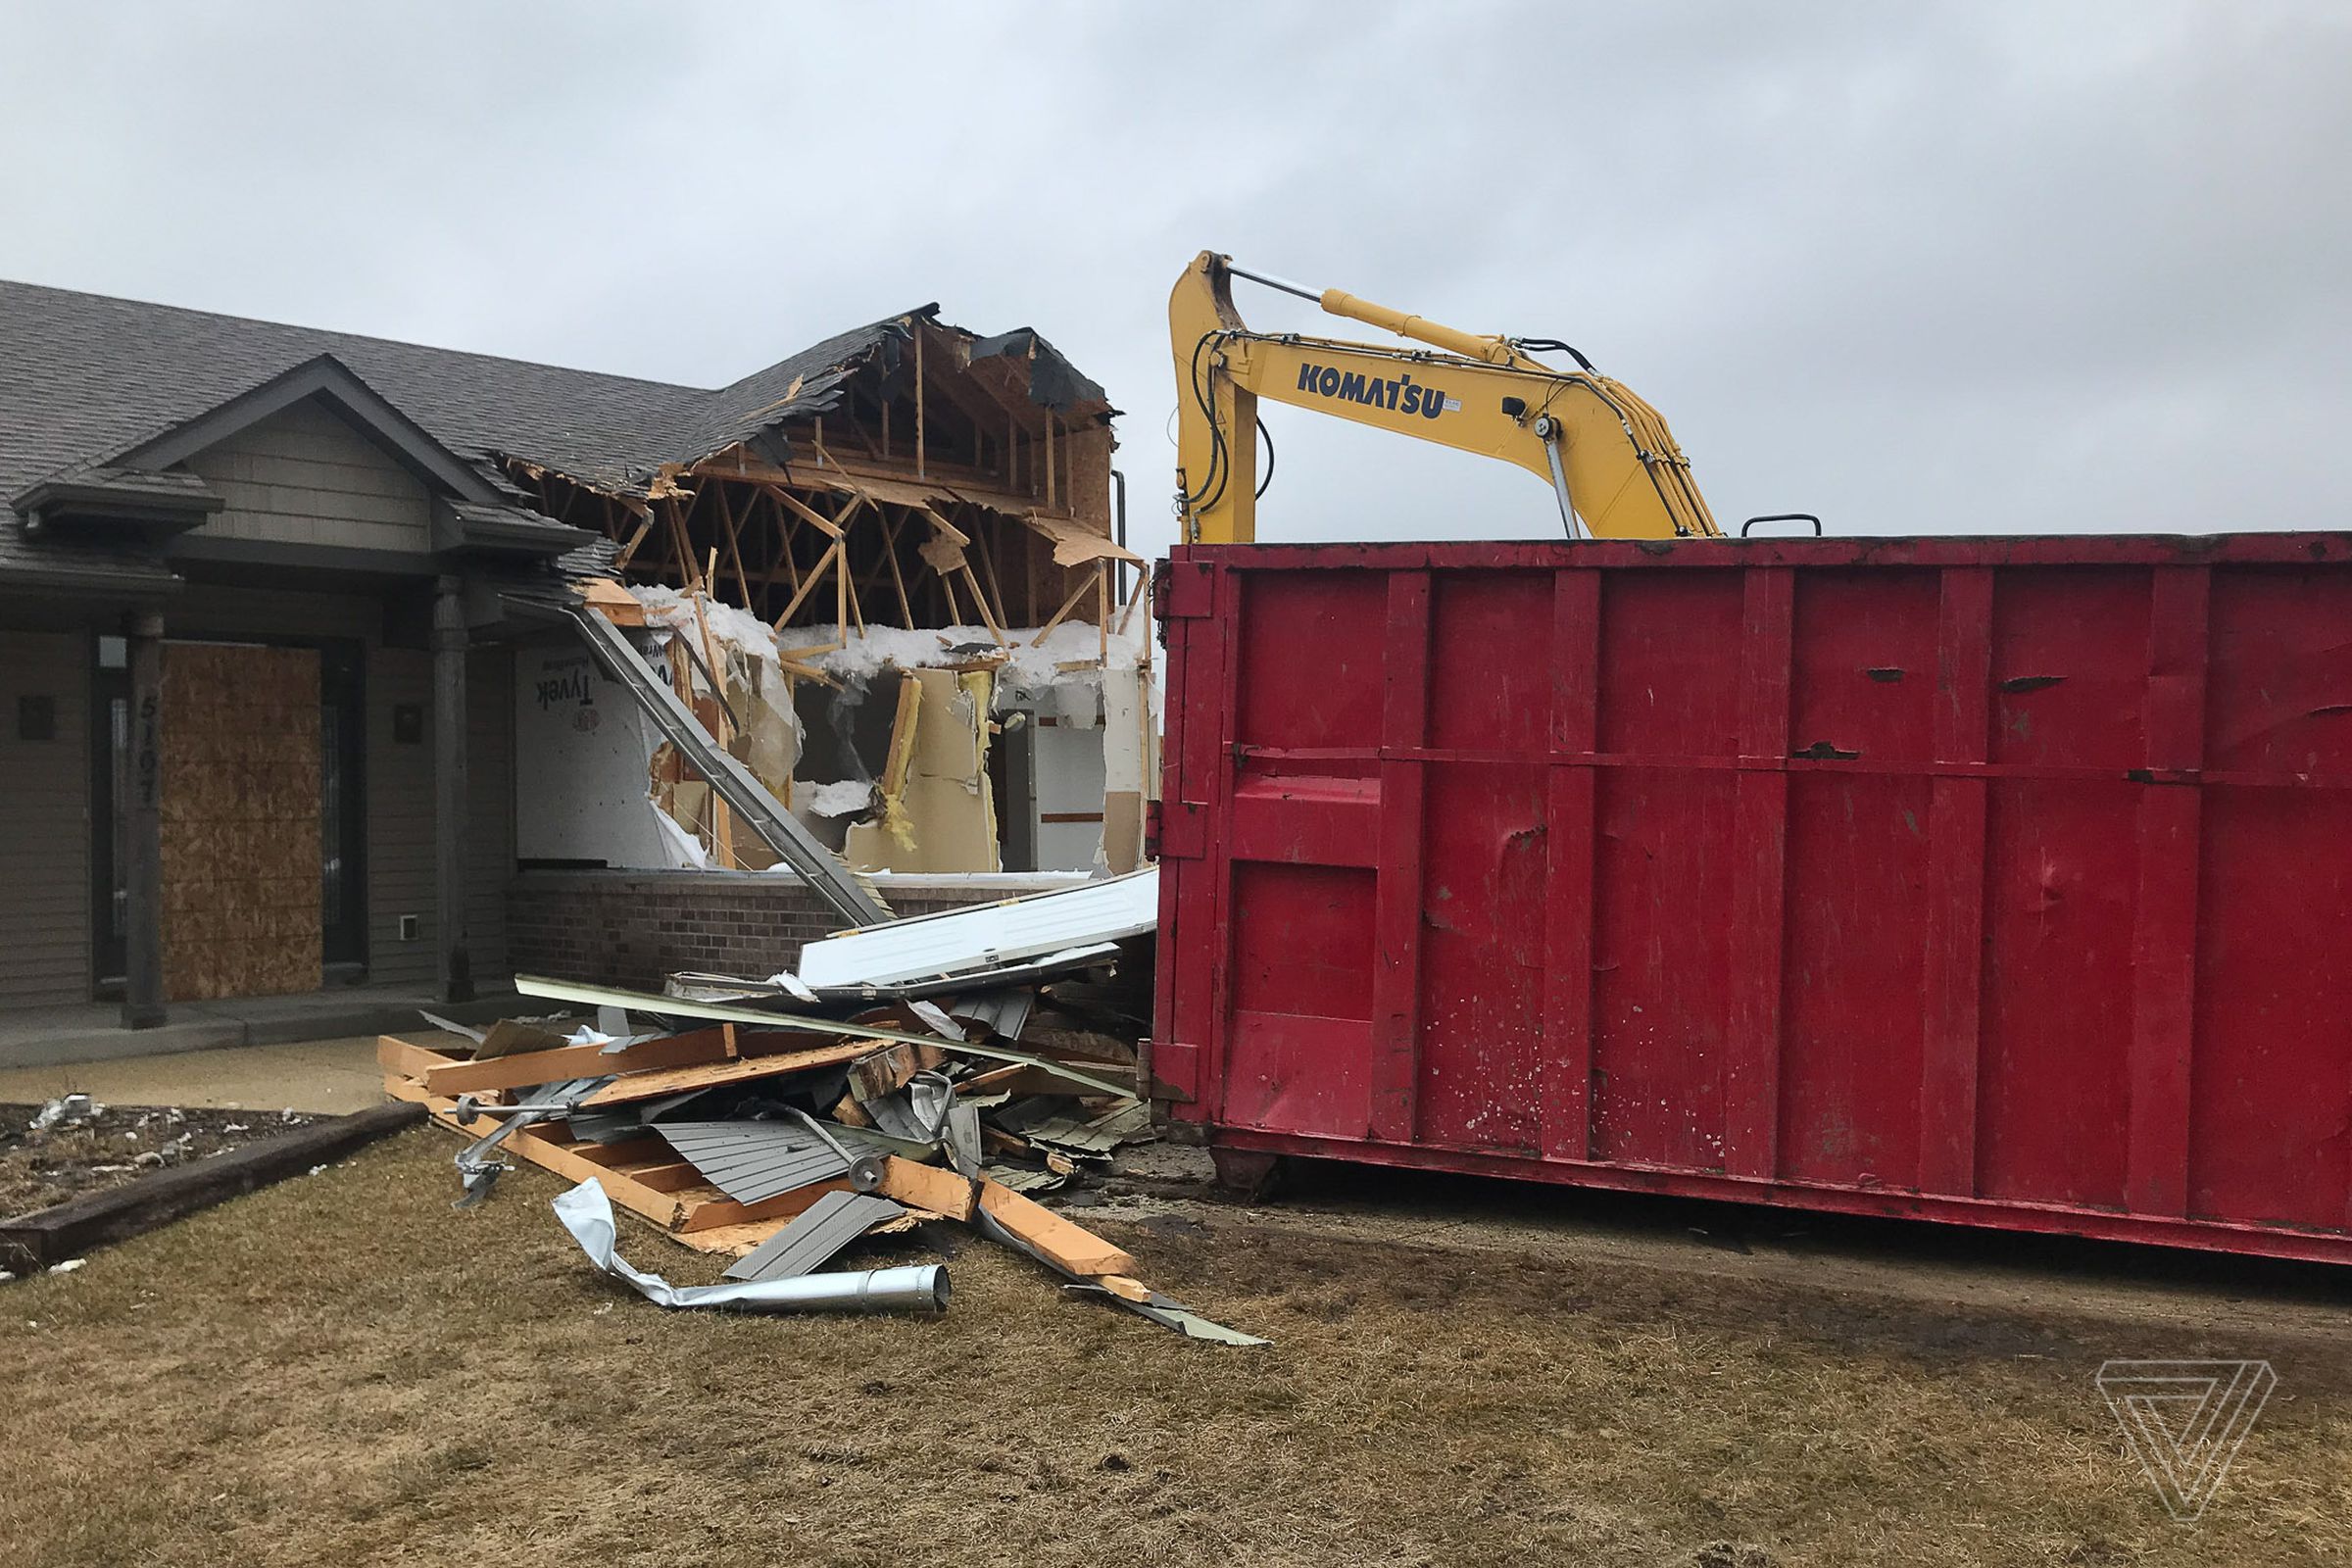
(1998, 881)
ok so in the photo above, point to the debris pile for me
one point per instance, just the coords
(925, 1069)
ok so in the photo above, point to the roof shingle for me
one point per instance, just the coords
(85, 376)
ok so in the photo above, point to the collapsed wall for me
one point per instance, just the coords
(895, 598)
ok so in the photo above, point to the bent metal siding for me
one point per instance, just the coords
(1996, 881)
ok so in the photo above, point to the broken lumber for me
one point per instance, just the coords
(408, 1059)
(460, 1075)
(531, 985)
(741, 1069)
(929, 1188)
(1066, 1246)
(532, 1143)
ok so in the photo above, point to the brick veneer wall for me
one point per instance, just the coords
(633, 928)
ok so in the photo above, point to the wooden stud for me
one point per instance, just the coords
(406, 1059)
(679, 546)
(715, 1213)
(988, 616)
(841, 593)
(988, 569)
(723, 820)
(645, 525)
(744, 1069)
(947, 586)
(808, 514)
(1067, 604)
(800, 596)
(786, 529)
(929, 1188)
(1126, 1287)
(898, 579)
(1068, 1246)
(532, 1143)
(453, 1075)
(726, 517)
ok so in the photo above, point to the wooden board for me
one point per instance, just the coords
(411, 1059)
(470, 1077)
(240, 798)
(652, 1085)
(929, 1188)
(527, 1143)
(695, 1213)
(1072, 1247)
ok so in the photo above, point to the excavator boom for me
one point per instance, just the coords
(1607, 454)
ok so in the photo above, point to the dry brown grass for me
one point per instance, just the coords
(340, 1370)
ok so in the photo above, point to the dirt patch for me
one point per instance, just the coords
(44, 1165)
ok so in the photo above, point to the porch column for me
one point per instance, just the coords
(143, 841)
(456, 970)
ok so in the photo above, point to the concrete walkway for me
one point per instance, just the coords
(328, 1077)
(93, 1031)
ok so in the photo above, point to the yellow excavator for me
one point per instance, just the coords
(1611, 462)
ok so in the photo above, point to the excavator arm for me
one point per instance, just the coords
(1608, 456)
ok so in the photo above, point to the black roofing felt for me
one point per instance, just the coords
(84, 378)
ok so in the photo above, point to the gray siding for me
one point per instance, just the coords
(400, 820)
(44, 830)
(304, 476)
(400, 816)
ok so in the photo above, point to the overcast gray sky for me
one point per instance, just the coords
(1977, 266)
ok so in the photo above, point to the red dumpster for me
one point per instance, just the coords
(1998, 881)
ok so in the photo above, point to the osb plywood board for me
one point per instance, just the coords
(240, 819)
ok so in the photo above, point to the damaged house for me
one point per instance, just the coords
(891, 587)
(294, 692)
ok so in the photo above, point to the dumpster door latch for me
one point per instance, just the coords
(1174, 830)
(1181, 590)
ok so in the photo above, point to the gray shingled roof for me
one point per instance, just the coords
(84, 376)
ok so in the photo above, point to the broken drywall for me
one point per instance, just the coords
(1073, 700)
(938, 812)
(580, 749)
(1130, 762)
(756, 722)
